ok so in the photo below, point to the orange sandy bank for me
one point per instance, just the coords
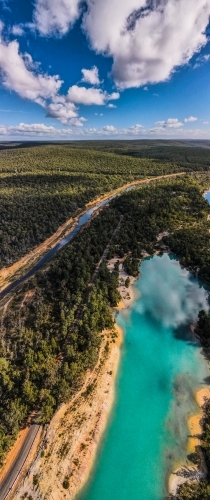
(74, 433)
(195, 421)
(195, 428)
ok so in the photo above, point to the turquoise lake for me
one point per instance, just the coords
(161, 367)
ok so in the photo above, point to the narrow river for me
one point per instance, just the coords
(161, 367)
(81, 222)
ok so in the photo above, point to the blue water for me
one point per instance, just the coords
(83, 219)
(207, 196)
(81, 222)
(161, 366)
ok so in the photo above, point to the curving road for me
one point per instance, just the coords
(13, 474)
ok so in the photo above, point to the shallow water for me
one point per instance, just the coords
(161, 366)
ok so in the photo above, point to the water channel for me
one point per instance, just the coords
(86, 217)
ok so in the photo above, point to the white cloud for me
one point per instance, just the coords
(90, 96)
(55, 17)
(19, 74)
(65, 112)
(17, 30)
(91, 76)
(82, 95)
(34, 129)
(112, 106)
(1, 28)
(136, 128)
(170, 123)
(172, 133)
(109, 128)
(147, 40)
(38, 130)
(206, 58)
(190, 119)
(205, 123)
(201, 60)
(113, 97)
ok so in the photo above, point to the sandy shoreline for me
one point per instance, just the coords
(195, 429)
(75, 432)
(129, 294)
(73, 436)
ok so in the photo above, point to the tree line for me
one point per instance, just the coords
(51, 329)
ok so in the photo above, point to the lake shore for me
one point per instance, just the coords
(77, 428)
(74, 434)
(128, 294)
(194, 441)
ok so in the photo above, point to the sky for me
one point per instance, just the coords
(104, 69)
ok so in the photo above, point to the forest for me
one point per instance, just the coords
(51, 326)
(51, 331)
(43, 185)
(188, 155)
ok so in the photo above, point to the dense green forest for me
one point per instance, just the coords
(189, 155)
(43, 185)
(51, 327)
(50, 331)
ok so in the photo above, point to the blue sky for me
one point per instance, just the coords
(94, 69)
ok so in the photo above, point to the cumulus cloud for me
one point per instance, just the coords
(65, 112)
(37, 130)
(25, 129)
(135, 130)
(90, 96)
(147, 40)
(138, 130)
(17, 30)
(110, 105)
(55, 17)
(109, 128)
(19, 74)
(190, 119)
(113, 97)
(170, 123)
(91, 76)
